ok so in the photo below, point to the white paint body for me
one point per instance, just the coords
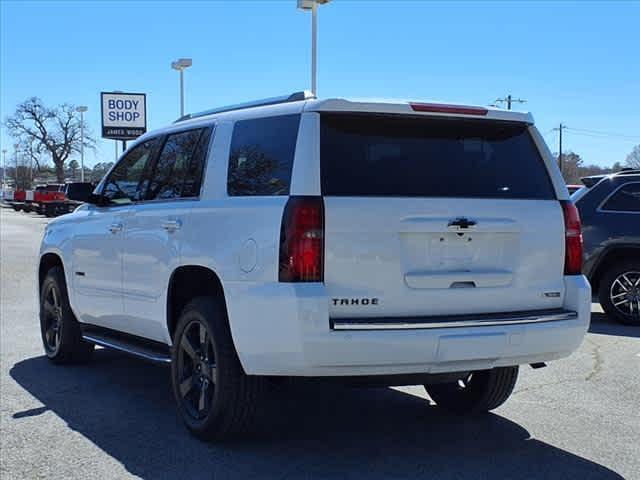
(373, 248)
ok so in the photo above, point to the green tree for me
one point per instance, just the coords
(74, 166)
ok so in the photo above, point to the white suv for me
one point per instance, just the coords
(403, 242)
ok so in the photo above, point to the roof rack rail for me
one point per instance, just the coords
(628, 171)
(294, 97)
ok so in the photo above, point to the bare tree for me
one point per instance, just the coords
(55, 131)
(633, 159)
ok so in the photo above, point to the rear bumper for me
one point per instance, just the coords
(283, 329)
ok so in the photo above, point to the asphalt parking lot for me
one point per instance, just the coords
(579, 418)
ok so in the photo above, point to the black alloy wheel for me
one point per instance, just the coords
(624, 295)
(61, 333)
(196, 370)
(51, 318)
(619, 292)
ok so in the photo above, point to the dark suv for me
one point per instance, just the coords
(609, 207)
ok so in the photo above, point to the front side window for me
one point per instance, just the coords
(261, 156)
(129, 180)
(626, 199)
(178, 171)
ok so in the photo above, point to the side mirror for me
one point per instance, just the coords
(96, 199)
(79, 192)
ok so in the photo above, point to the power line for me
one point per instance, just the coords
(601, 137)
(508, 100)
(603, 134)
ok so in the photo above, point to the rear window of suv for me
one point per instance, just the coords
(382, 155)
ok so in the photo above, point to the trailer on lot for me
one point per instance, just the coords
(51, 200)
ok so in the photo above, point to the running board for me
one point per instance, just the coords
(124, 342)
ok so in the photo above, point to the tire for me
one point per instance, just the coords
(478, 392)
(61, 336)
(215, 398)
(618, 277)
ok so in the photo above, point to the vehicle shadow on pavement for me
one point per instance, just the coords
(602, 324)
(310, 430)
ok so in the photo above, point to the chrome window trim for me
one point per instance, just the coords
(600, 208)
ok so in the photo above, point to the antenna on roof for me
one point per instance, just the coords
(294, 97)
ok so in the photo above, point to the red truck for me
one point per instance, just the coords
(50, 200)
(19, 197)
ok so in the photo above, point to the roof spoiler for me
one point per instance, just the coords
(592, 180)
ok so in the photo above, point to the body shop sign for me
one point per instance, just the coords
(124, 115)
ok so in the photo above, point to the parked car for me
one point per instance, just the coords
(400, 243)
(609, 207)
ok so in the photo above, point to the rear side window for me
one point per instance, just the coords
(376, 155)
(261, 156)
(178, 171)
(626, 199)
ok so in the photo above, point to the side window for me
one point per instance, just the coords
(261, 156)
(129, 180)
(195, 170)
(174, 162)
(626, 199)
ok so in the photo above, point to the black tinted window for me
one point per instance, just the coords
(375, 155)
(129, 180)
(627, 199)
(261, 156)
(179, 152)
(193, 177)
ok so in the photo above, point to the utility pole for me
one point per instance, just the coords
(81, 109)
(508, 100)
(559, 130)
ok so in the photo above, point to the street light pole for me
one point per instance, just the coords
(82, 109)
(314, 48)
(181, 64)
(4, 168)
(313, 6)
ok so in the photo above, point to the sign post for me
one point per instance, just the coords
(124, 115)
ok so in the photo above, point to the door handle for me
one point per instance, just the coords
(172, 225)
(115, 227)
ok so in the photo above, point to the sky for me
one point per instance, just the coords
(574, 62)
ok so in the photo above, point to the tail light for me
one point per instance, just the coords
(302, 240)
(572, 239)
